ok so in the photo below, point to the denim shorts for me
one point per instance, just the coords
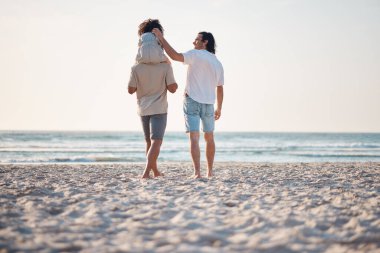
(195, 112)
(154, 126)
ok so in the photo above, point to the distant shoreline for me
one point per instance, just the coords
(120, 147)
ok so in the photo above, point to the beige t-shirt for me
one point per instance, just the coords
(151, 81)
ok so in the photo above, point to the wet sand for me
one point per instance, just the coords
(245, 207)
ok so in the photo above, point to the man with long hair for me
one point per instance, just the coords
(205, 77)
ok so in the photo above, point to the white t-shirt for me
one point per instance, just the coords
(204, 73)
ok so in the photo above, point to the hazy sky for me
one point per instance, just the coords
(302, 65)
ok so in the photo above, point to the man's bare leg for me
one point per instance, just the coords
(195, 153)
(156, 172)
(147, 147)
(148, 144)
(210, 152)
(151, 157)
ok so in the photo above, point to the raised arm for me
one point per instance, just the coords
(219, 101)
(168, 49)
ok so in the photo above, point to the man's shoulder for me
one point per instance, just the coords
(143, 67)
(204, 54)
(196, 55)
(191, 52)
(135, 67)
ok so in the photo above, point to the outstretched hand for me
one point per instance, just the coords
(158, 33)
(165, 45)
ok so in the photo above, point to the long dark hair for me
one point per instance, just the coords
(211, 45)
(148, 25)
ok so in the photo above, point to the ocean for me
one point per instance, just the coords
(121, 147)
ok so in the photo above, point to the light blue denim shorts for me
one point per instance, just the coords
(195, 112)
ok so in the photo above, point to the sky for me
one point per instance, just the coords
(290, 65)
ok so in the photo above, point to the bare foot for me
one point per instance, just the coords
(159, 174)
(195, 176)
(210, 174)
(145, 176)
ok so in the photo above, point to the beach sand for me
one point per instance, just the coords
(246, 207)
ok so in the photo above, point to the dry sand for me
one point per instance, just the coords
(246, 207)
